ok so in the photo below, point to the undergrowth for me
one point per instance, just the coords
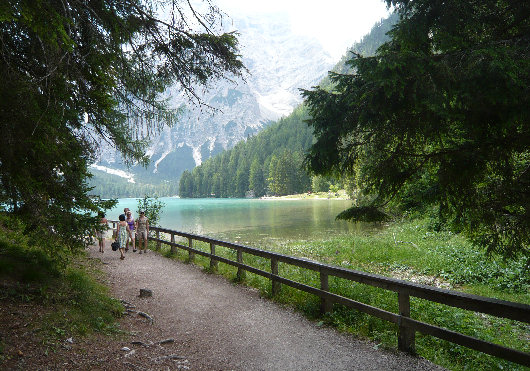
(62, 285)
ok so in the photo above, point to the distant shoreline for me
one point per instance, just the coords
(341, 195)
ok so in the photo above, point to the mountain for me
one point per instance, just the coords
(271, 162)
(279, 63)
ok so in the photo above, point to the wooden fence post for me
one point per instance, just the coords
(158, 242)
(173, 248)
(276, 286)
(325, 304)
(213, 262)
(406, 335)
(240, 272)
(191, 256)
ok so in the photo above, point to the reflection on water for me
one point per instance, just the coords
(253, 222)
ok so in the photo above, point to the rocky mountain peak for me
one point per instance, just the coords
(279, 62)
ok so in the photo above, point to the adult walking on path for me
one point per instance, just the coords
(142, 228)
(217, 325)
(131, 224)
(101, 232)
(122, 233)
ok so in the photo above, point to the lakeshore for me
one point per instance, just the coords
(340, 195)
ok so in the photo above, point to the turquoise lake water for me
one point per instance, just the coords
(251, 221)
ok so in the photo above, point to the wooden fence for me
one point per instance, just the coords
(407, 326)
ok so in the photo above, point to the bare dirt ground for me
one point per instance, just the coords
(201, 321)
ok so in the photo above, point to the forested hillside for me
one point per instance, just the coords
(268, 162)
(271, 162)
(113, 186)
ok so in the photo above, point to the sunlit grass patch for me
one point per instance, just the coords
(501, 331)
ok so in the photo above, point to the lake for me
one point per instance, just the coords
(253, 222)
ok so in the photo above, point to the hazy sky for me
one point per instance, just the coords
(337, 24)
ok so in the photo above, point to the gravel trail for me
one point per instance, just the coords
(221, 326)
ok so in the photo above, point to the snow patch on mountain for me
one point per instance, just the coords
(120, 173)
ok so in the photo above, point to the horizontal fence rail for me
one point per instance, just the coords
(407, 326)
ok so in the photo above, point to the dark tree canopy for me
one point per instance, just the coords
(440, 116)
(75, 73)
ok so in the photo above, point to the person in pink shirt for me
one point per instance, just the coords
(130, 229)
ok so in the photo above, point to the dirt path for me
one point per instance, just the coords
(221, 326)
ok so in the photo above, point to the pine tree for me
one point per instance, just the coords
(76, 73)
(256, 179)
(440, 116)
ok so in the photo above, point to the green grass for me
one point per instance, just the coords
(63, 285)
(408, 251)
(82, 306)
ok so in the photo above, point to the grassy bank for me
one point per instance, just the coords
(61, 289)
(412, 252)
